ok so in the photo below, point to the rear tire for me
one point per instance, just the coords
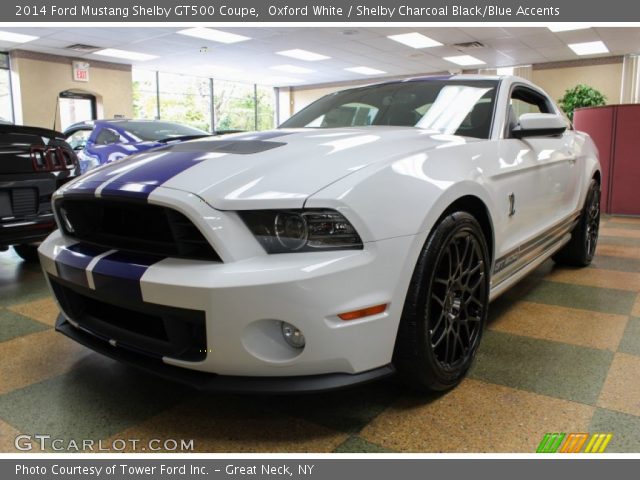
(29, 253)
(581, 248)
(446, 306)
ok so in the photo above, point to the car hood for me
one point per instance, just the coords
(273, 169)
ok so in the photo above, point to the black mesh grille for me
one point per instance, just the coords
(147, 328)
(24, 201)
(134, 227)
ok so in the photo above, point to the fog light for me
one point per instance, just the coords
(292, 335)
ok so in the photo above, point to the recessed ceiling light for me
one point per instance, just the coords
(415, 40)
(464, 60)
(365, 70)
(589, 48)
(303, 55)
(565, 27)
(291, 69)
(16, 37)
(213, 35)
(115, 53)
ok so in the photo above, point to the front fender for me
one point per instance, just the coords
(406, 196)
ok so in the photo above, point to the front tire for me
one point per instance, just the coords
(580, 250)
(29, 253)
(446, 306)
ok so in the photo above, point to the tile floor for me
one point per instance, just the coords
(561, 353)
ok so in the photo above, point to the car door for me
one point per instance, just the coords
(537, 179)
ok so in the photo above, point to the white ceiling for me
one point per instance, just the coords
(347, 47)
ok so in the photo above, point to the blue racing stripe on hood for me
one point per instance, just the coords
(87, 183)
(140, 182)
(137, 176)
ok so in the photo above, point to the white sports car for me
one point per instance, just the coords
(364, 237)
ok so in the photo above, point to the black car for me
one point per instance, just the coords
(34, 162)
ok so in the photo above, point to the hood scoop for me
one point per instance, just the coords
(239, 147)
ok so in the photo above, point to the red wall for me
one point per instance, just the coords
(615, 129)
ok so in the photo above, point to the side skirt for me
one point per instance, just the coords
(512, 267)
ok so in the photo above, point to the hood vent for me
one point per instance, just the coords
(468, 45)
(81, 47)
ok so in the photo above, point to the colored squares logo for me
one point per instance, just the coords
(574, 443)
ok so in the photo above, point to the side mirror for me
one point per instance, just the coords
(539, 125)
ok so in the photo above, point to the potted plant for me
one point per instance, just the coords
(580, 96)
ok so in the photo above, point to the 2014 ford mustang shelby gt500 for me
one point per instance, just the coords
(365, 236)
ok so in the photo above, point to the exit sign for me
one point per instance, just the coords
(80, 71)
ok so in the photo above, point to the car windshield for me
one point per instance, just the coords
(458, 107)
(154, 131)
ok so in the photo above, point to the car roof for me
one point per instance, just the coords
(509, 79)
(114, 121)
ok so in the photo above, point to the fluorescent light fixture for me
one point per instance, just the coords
(115, 53)
(589, 48)
(565, 27)
(16, 37)
(464, 60)
(213, 35)
(365, 70)
(415, 40)
(291, 69)
(303, 55)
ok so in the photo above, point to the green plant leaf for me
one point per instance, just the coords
(580, 96)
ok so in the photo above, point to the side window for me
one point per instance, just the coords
(78, 139)
(477, 123)
(107, 137)
(524, 100)
(520, 107)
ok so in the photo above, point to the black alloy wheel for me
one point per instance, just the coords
(456, 307)
(446, 306)
(581, 248)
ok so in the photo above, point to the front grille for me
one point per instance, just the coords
(146, 328)
(24, 201)
(134, 227)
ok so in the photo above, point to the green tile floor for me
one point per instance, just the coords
(561, 353)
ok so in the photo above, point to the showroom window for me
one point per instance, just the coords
(145, 94)
(235, 105)
(6, 101)
(185, 99)
(188, 100)
(265, 106)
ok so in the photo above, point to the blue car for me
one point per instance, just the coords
(97, 142)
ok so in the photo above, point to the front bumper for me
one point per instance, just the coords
(222, 383)
(243, 303)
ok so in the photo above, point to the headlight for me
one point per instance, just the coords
(285, 231)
